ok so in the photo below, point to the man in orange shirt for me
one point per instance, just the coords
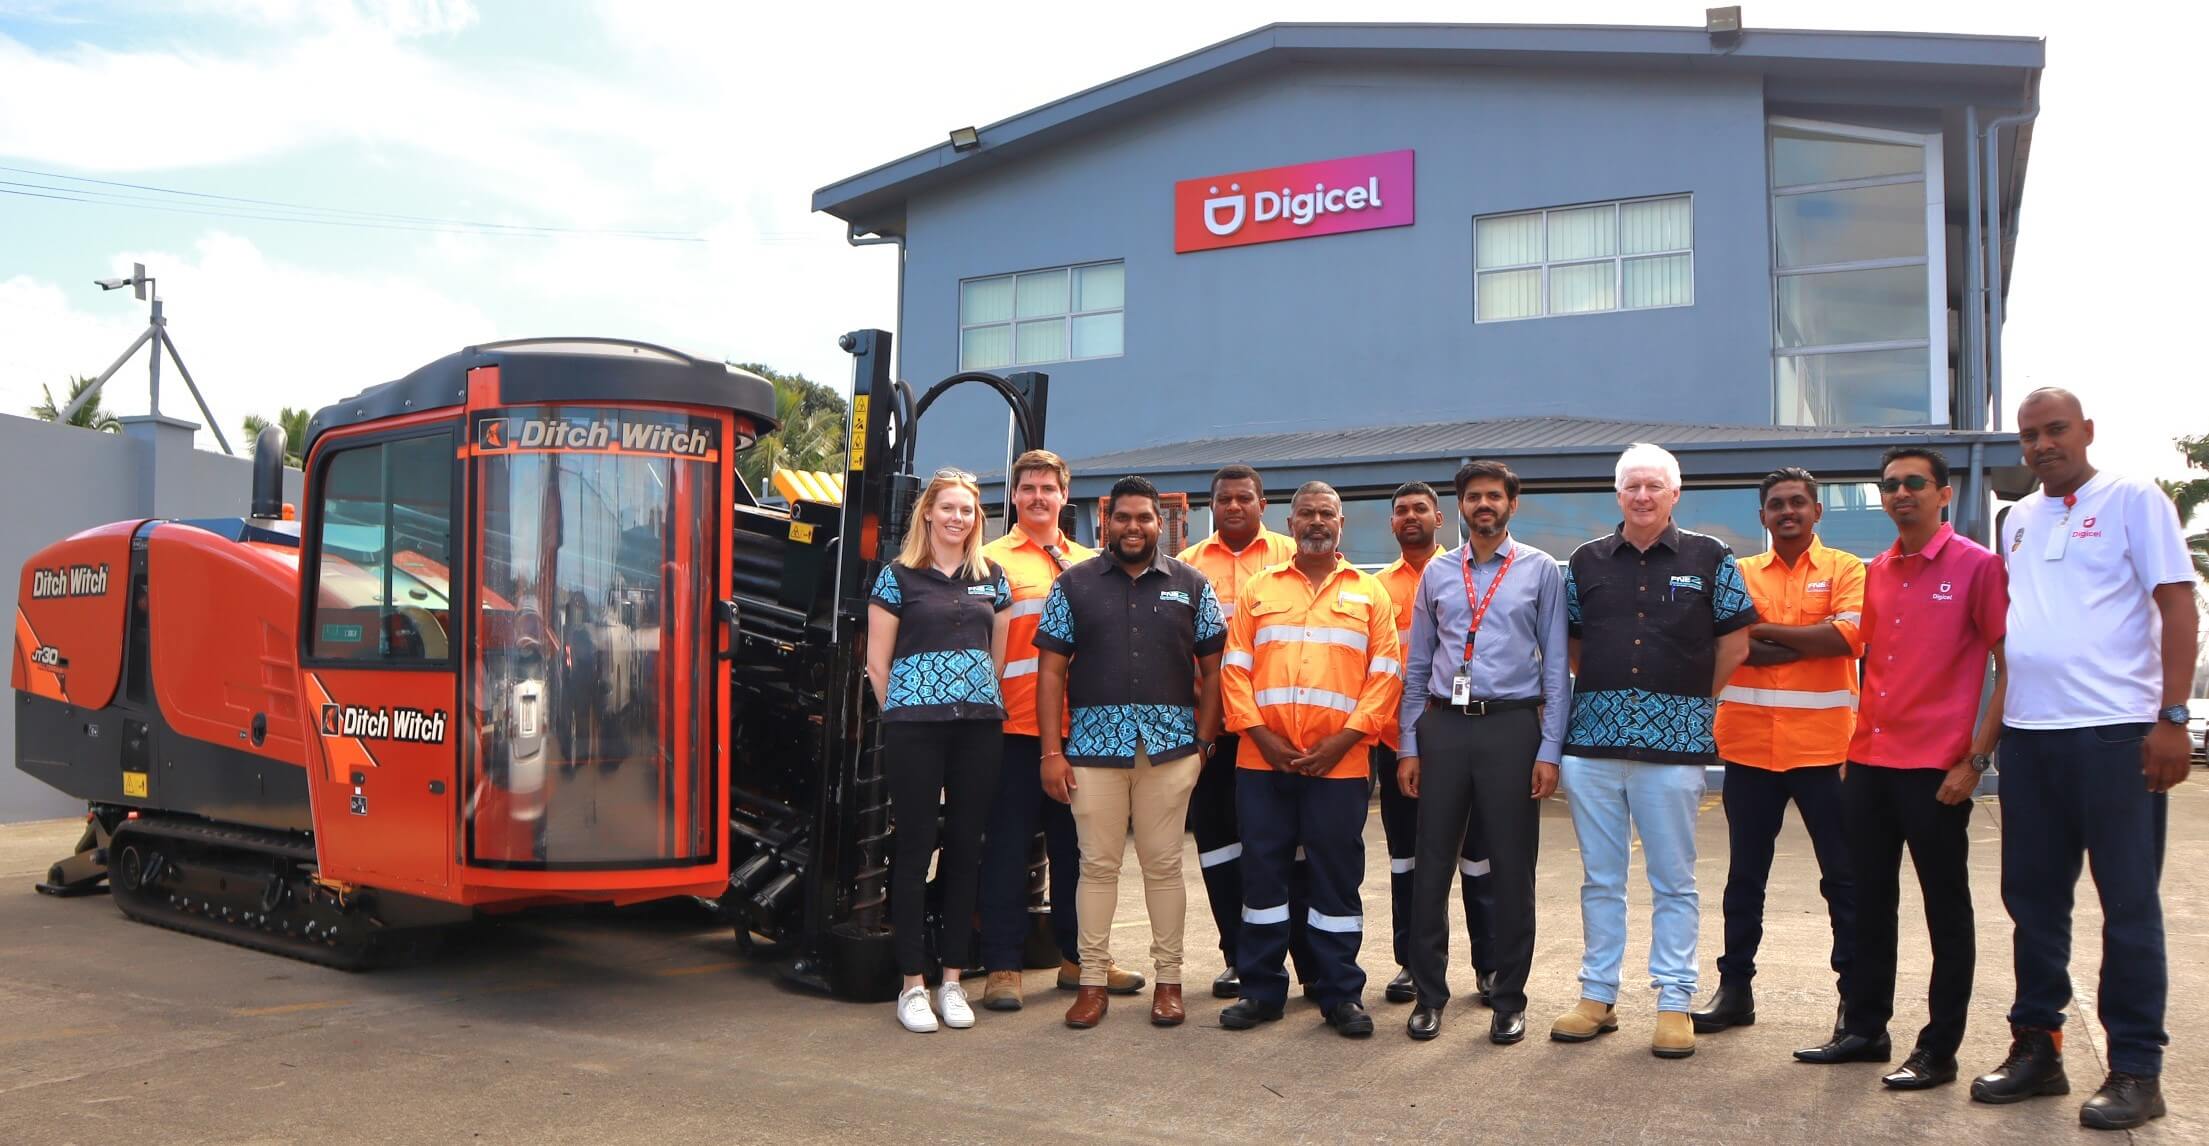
(1032, 553)
(1311, 673)
(1783, 728)
(1239, 547)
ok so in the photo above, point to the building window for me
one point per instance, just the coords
(1859, 283)
(1056, 315)
(1629, 255)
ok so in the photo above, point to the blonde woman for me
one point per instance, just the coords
(936, 626)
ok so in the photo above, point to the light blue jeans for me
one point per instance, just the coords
(1610, 800)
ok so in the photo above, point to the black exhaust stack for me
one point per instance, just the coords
(268, 473)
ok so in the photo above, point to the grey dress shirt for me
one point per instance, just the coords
(1521, 650)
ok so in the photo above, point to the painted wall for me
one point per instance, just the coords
(1375, 327)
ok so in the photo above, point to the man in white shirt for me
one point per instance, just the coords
(2101, 656)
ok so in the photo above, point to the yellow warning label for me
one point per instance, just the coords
(858, 432)
(134, 784)
(801, 532)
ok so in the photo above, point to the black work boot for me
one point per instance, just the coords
(2034, 1068)
(2123, 1102)
(1733, 1006)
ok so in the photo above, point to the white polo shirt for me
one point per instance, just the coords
(2085, 639)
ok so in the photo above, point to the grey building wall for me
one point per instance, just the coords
(69, 479)
(1374, 327)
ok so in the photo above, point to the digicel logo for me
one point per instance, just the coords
(1301, 201)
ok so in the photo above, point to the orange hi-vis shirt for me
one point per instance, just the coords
(1308, 664)
(1228, 570)
(1030, 570)
(1778, 717)
(1402, 579)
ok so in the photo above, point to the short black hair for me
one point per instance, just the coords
(1788, 474)
(1133, 485)
(1494, 471)
(1236, 471)
(1414, 488)
(1932, 458)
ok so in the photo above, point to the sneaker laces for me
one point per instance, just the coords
(955, 988)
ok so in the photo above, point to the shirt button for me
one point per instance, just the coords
(1637, 672)
(1637, 640)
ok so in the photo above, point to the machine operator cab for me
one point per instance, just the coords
(509, 641)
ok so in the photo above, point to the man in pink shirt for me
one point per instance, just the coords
(1934, 611)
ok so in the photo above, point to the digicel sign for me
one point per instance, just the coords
(1359, 193)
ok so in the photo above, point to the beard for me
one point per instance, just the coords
(1135, 549)
(1489, 527)
(1315, 545)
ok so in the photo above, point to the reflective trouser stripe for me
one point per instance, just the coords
(1400, 866)
(1317, 697)
(1218, 856)
(1025, 667)
(1335, 923)
(1299, 856)
(1788, 697)
(1473, 867)
(1264, 915)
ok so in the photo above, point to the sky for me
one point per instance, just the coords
(641, 169)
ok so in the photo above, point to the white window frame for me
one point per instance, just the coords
(1066, 319)
(1935, 341)
(1617, 259)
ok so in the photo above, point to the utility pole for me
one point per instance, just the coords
(157, 333)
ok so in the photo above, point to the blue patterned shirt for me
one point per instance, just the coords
(940, 666)
(1648, 622)
(1134, 644)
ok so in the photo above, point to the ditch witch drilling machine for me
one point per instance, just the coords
(532, 641)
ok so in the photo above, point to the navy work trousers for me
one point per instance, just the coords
(1756, 804)
(1019, 808)
(1282, 813)
(1219, 839)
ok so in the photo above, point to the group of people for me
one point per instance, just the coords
(1256, 688)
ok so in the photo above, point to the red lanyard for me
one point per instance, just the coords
(1481, 610)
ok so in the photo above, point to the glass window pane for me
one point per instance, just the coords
(1583, 233)
(1656, 225)
(1043, 341)
(1865, 388)
(1800, 156)
(1664, 280)
(1583, 287)
(985, 300)
(1508, 240)
(1854, 521)
(1041, 294)
(985, 347)
(1097, 335)
(1834, 308)
(1507, 294)
(1845, 226)
(1102, 287)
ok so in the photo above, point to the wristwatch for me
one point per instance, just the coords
(1980, 762)
(1204, 748)
(2176, 714)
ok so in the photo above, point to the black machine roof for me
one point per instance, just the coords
(535, 370)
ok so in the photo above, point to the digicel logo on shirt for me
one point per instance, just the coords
(1300, 201)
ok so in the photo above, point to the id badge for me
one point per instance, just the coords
(2057, 538)
(1461, 689)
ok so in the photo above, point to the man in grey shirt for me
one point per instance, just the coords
(1486, 694)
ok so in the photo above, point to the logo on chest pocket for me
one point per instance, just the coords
(1174, 595)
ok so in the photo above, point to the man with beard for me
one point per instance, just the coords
(1483, 716)
(1415, 518)
(1784, 722)
(1131, 640)
(1311, 674)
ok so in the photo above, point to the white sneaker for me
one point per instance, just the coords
(951, 1000)
(914, 1013)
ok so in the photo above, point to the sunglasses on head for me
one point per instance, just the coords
(953, 473)
(1913, 482)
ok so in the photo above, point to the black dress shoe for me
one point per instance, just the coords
(1486, 981)
(2034, 1068)
(1349, 1018)
(1841, 1019)
(2123, 1102)
(1922, 1071)
(1506, 1027)
(1244, 1014)
(1426, 1022)
(1228, 985)
(1400, 989)
(1733, 1006)
(1849, 1048)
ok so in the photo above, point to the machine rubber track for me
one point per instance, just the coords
(248, 886)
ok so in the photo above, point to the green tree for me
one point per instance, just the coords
(812, 433)
(89, 415)
(2191, 494)
(293, 423)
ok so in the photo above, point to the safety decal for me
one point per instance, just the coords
(134, 785)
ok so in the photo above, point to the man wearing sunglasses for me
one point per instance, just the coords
(1934, 606)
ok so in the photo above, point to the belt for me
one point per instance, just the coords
(1484, 707)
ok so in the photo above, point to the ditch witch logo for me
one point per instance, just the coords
(70, 581)
(410, 725)
(597, 432)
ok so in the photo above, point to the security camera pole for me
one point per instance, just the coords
(157, 332)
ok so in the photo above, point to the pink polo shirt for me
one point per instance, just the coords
(1930, 619)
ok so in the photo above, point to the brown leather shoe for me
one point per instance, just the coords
(1166, 1005)
(1117, 980)
(1088, 1009)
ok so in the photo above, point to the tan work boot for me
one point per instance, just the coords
(1675, 1037)
(1117, 981)
(1584, 1021)
(1003, 991)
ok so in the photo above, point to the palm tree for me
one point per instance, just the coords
(293, 423)
(2191, 495)
(90, 415)
(812, 433)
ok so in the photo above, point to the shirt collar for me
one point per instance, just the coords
(1670, 538)
(1464, 552)
(1288, 569)
(1257, 543)
(1932, 548)
(1817, 557)
(1108, 565)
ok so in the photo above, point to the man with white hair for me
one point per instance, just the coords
(1659, 618)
